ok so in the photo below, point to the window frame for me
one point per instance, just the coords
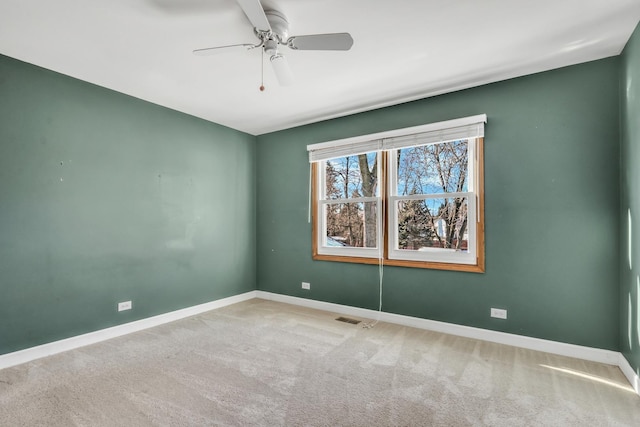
(385, 253)
(322, 201)
(449, 256)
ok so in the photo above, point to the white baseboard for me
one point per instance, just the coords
(628, 372)
(29, 354)
(554, 347)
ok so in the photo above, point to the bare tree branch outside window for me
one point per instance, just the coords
(436, 221)
(352, 223)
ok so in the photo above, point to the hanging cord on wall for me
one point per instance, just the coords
(310, 178)
(369, 325)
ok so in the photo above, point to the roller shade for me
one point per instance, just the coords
(431, 137)
(342, 148)
(450, 130)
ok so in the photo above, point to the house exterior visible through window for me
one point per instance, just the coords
(410, 197)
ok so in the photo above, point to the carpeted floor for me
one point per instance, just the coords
(271, 364)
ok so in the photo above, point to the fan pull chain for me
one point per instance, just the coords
(262, 71)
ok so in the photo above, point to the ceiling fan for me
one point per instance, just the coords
(272, 30)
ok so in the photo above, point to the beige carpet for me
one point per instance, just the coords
(271, 364)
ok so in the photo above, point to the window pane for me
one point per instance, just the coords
(352, 224)
(352, 176)
(433, 169)
(433, 223)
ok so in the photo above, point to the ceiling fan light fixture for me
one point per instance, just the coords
(271, 47)
(282, 70)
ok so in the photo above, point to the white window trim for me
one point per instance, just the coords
(467, 128)
(323, 249)
(436, 254)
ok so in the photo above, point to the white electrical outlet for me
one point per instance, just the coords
(499, 313)
(306, 285)
(126, 305)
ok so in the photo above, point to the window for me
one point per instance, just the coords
(410, 197)
(350, 208)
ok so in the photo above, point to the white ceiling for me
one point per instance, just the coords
(403, 50)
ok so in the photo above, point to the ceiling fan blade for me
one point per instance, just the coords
(281, 69)
(334, 41)
(220, 49)
(255, 13)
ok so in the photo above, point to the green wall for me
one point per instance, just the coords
(106, 198)
(552, 211)
(630, 202)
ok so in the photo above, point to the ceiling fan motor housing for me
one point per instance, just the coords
(279, 25)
